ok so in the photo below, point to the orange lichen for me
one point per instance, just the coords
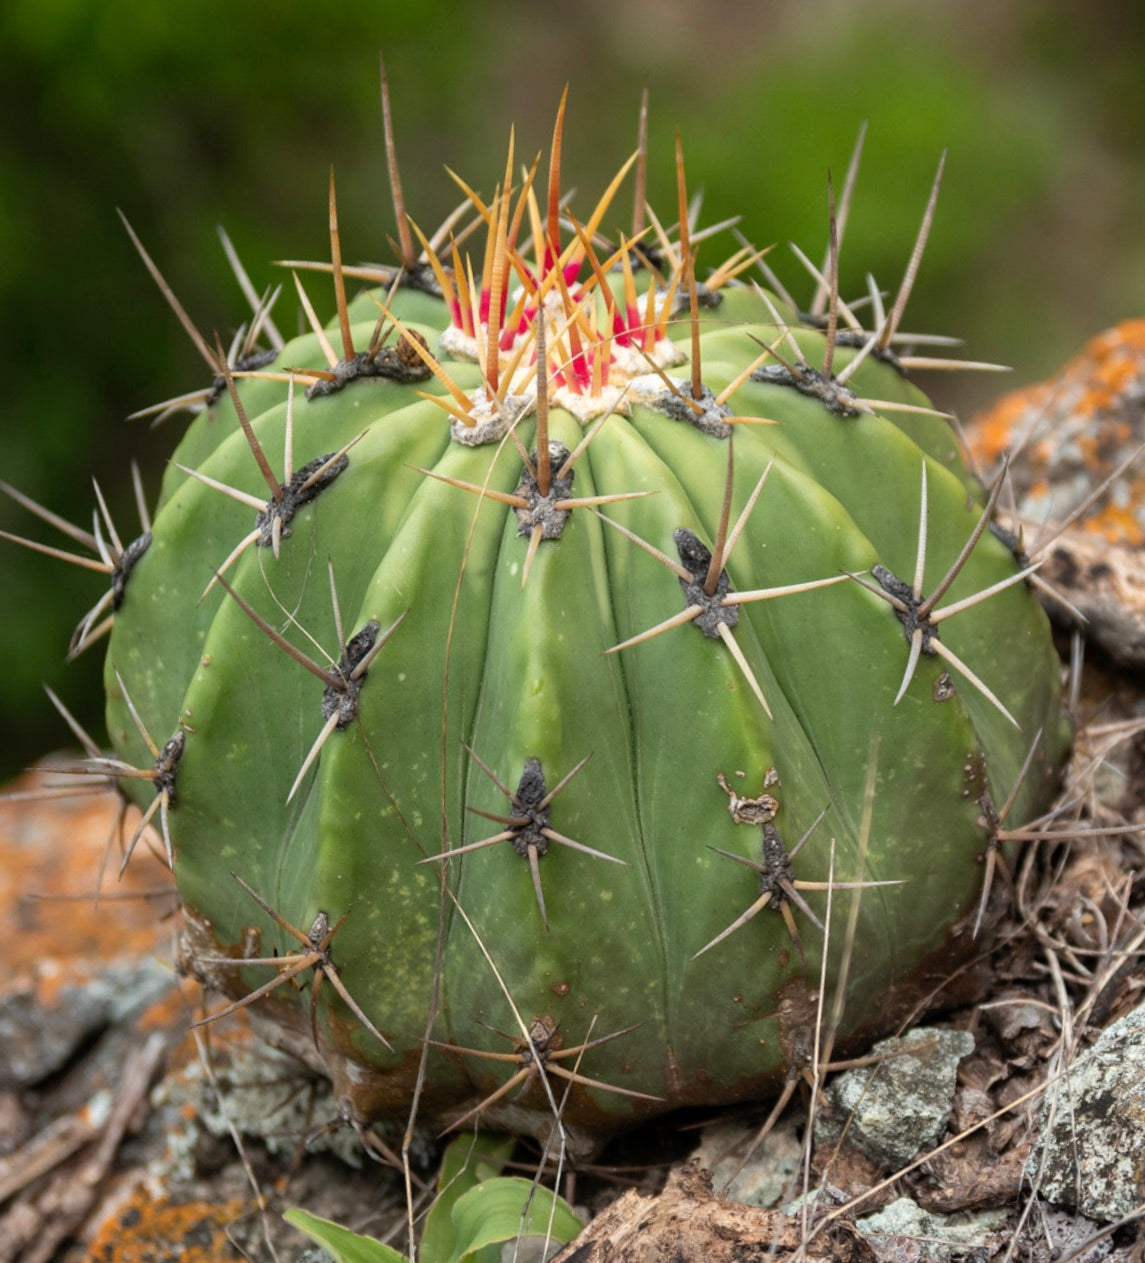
(1117, 524)
(993, 432)
(1073, 431)
(144, 1229)
(51, 858)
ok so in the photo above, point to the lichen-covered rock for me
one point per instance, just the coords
(1077, 442)
(905, 1233)
(1090, 1155)
(899, 1106)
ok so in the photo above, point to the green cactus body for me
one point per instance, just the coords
(495, 685)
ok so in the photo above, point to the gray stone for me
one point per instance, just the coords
(903, 1232)
(264, 1094)
(1090, 1156)
(898, 1107)
(768, 1177)
(38, 1040)
(1052, 1235)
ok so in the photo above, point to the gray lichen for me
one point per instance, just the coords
(898, 1107)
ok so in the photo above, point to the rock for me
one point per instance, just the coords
(767, 1177)
(903, 1232)
(1091, 1153)
(39, 1038)
(1051, 1236)
(1068, 436)
(250, 1091)
(897, 1107)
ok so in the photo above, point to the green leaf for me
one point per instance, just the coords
(344, 1245)
(469, 1160)
(501, 1209)
(472, 1159)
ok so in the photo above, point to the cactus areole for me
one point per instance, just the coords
(579, 677)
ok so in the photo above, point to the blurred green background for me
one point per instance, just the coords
(194, 113)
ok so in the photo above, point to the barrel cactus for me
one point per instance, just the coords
(567, 680)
